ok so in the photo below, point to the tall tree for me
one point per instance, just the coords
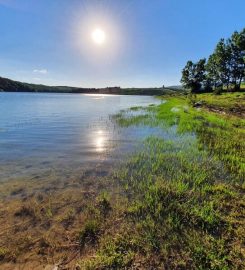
(222, 56)
(193, 75)
(225, 67)
(237, 42)
(212, 71)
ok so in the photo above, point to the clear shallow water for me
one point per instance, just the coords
(42, 133)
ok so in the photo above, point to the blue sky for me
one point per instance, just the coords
(147, 41)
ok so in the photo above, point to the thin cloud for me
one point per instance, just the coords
(40, 71)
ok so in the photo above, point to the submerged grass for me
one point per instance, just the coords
(223, 135)
(179, 215)
(177, 203)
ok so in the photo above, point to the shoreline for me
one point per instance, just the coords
(177, 197)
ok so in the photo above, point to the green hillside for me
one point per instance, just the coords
(7, 85)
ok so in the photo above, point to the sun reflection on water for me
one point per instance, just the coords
(100, 141)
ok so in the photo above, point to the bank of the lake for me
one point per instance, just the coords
(177, 202)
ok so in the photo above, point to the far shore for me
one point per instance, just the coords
(7, 85)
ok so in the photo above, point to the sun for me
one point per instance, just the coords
(98, 36)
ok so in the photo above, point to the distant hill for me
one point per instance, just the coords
(176, 87)
(7, 85)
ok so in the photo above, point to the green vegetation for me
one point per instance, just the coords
(230, 103)
(176, 203)
(184, 195)
(225, 68)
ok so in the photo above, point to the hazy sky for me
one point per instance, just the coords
(147, 42)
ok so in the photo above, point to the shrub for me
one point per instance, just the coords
(218, 90)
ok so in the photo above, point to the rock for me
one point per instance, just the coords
(174, 109)
(198, 104)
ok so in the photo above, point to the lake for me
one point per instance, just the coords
(59, 134)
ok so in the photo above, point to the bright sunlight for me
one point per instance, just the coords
(98, 36)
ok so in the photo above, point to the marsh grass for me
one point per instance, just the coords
(185, 195)
(223, 135)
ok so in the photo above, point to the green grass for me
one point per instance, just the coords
(184, 196)
(225, 100)
(222, 135)
(179, 212)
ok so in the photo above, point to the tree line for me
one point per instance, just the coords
(224, 69)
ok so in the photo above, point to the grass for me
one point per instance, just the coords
(226, 102)
(223, 136)
(184, 196)
(176, 203)
(181, 209)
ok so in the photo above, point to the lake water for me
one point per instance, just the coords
(44, 134)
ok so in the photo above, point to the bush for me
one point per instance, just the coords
(218, 90)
